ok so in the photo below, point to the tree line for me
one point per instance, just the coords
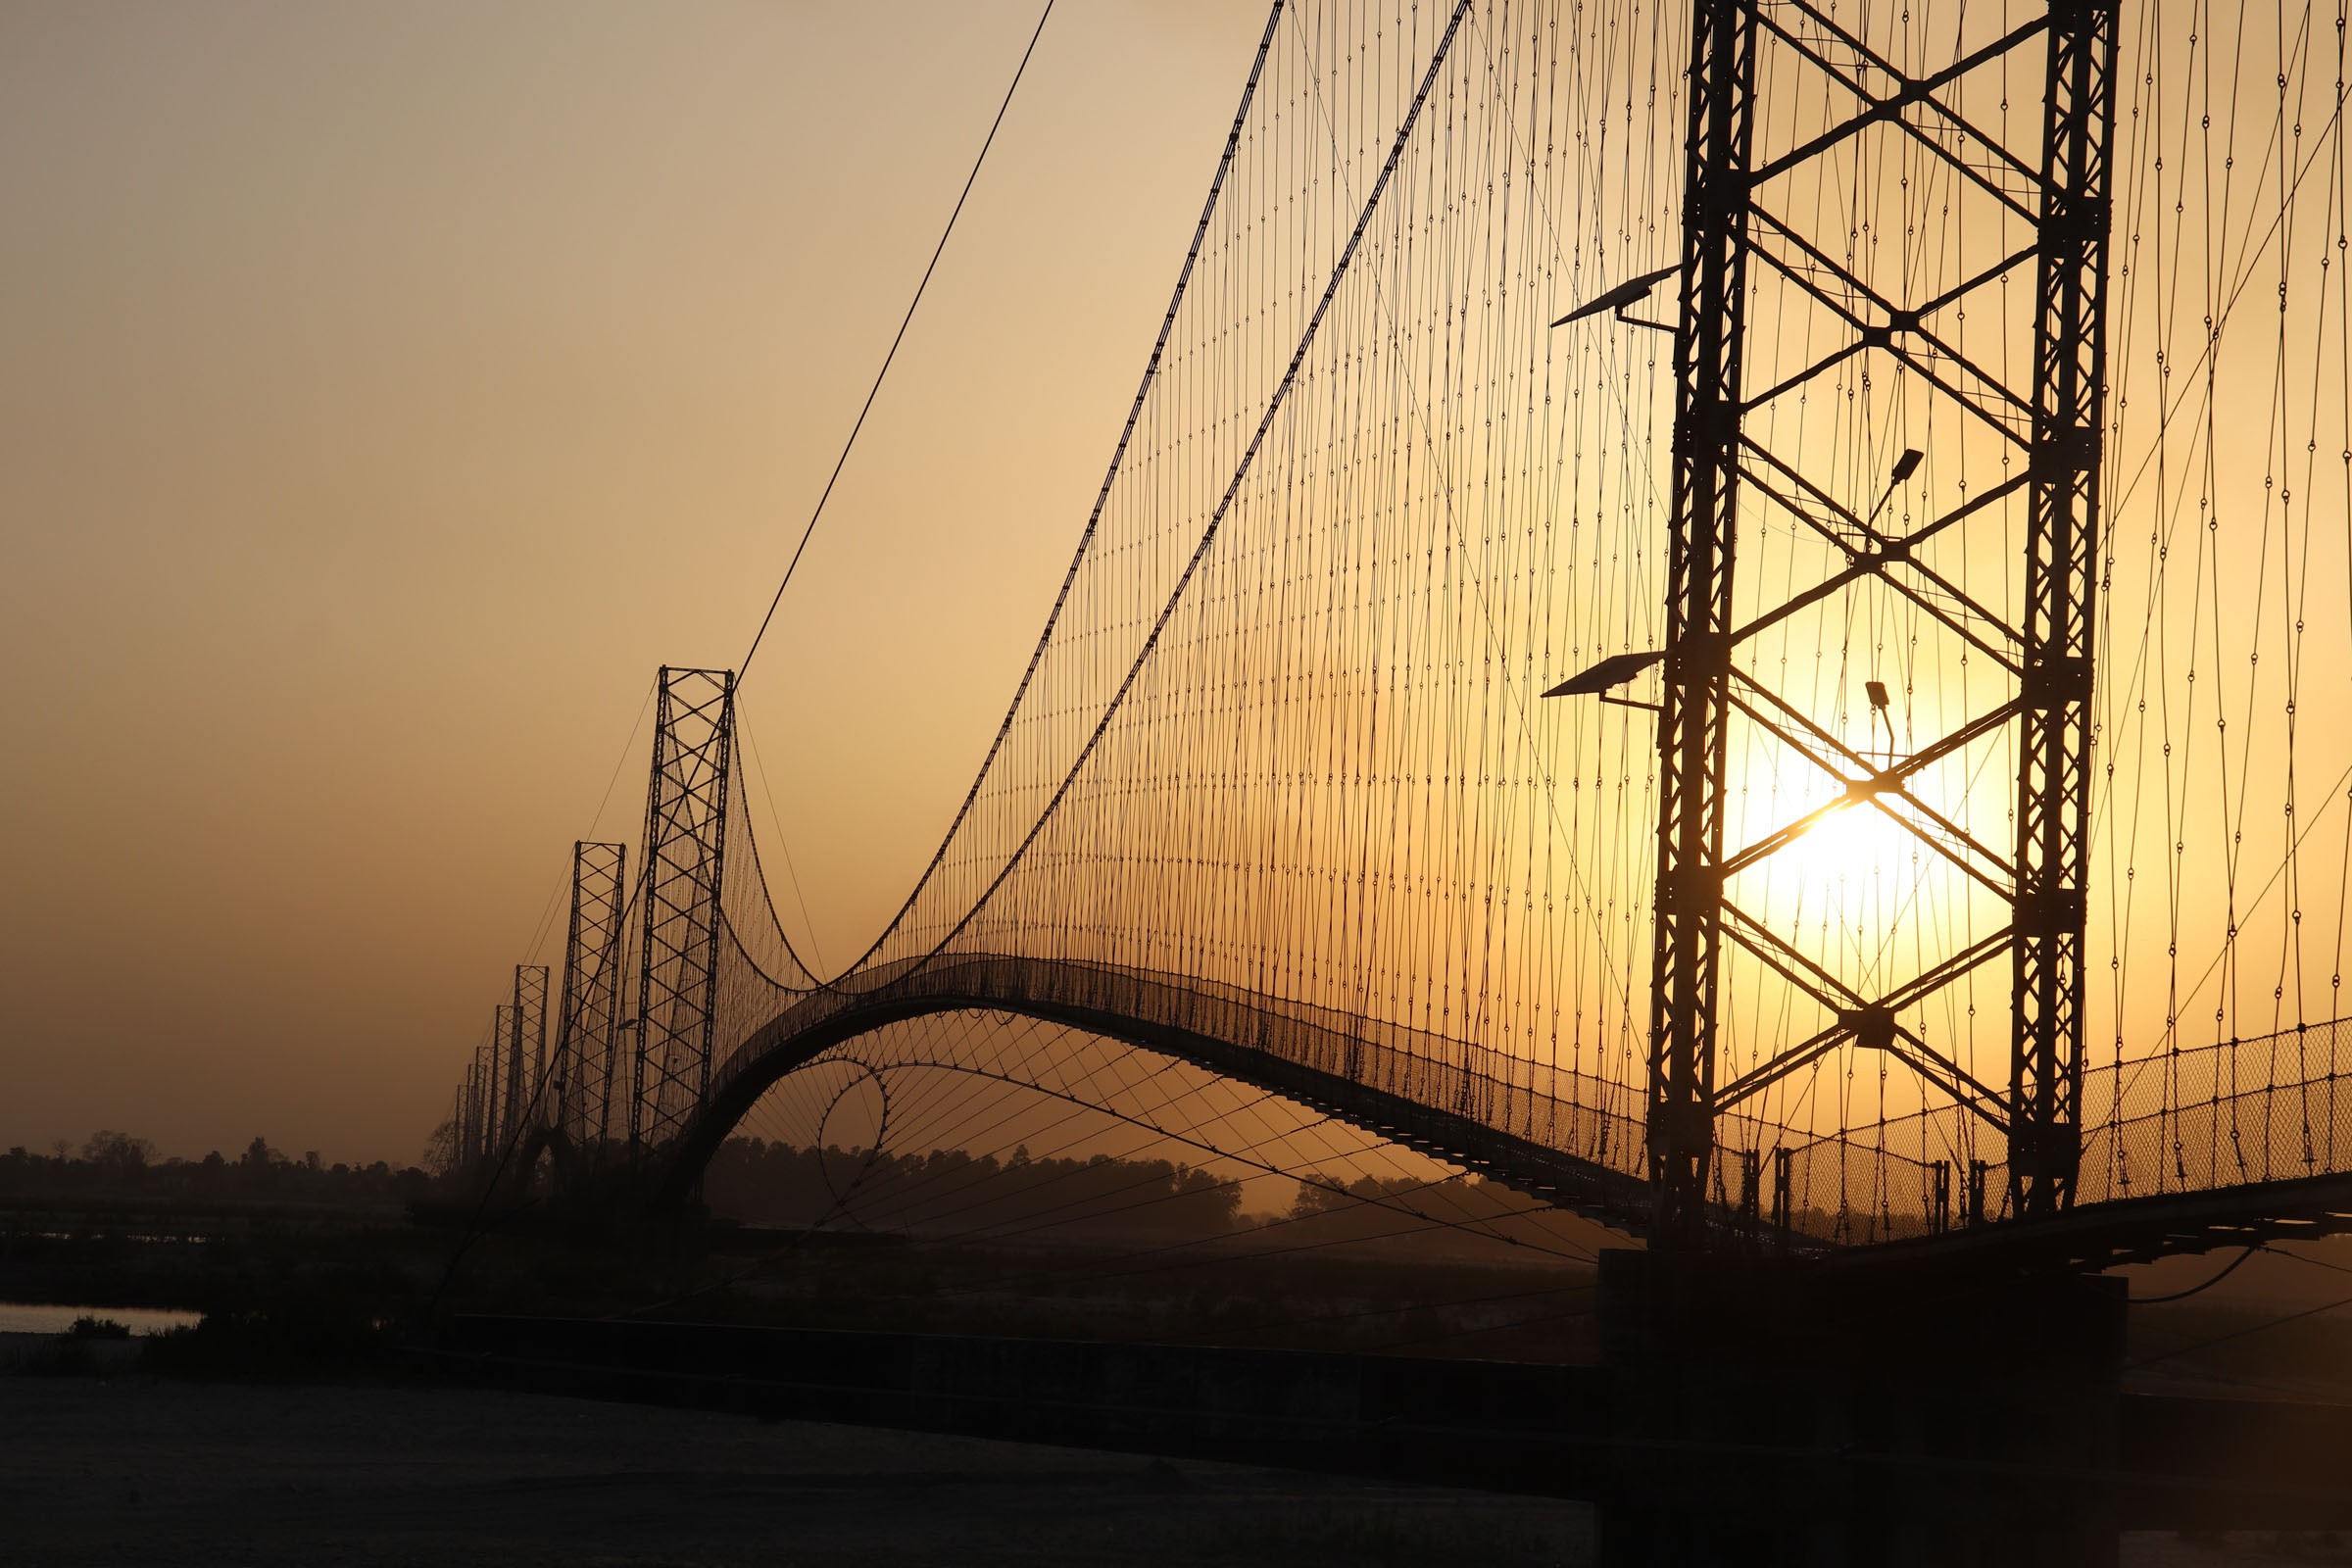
(952, 1192)
(115, 1164)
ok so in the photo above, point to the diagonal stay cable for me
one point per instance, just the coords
(873, 392)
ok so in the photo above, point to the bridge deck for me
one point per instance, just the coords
(1570, 1138)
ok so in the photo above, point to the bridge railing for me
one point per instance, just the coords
(2276, 1107)
(1430, 1086)
(2196, 1118)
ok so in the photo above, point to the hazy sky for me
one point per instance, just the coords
(386, 389)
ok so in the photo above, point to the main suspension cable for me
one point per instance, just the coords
(904, 321)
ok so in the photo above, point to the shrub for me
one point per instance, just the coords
(98, 1328)
(293, 1341)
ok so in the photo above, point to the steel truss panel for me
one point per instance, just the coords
(2062, 557)
(684, 852)
(1724, 452)
(1697, 708)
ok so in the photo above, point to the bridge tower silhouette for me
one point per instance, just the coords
(685, 853)
(1745, 242)
(581, 1089)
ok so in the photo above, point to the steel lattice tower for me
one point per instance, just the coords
(469, 1152)
(505, 1074)
(1738, 236)
(582, 1081)
(684, 852)
(526, 1059)
(2062, 556)
(1693, 715)
(485, 1099)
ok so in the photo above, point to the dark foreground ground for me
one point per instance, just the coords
(136, 1471)
(249, 1449)
(171, 1474)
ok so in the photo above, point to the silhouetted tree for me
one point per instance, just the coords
(441, 1149)
(119, 1157)
(776, 1182)
(112, 1162)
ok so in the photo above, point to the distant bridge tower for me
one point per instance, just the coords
(526, 1055)
(482, 1121)
(581, 1085)
(505, 1077)
(1748, 229)
(468, 1130)
(684, 850)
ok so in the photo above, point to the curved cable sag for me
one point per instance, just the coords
(809, 982)
(1216, 518)
(1394, 1201)
(841, 461)
(2228, 1269)
(751, 960)
(791, 872)
(1094, 521)
(1246, 1155)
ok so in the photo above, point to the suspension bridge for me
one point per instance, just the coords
(1733, 612)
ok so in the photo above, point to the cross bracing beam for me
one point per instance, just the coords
(1871, 554)
(1866, 1022)
(684, 853)
(1905, 93)
(1863, 784)
(1741, 204)
(1901, 332)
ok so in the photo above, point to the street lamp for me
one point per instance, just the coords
(1623, 298)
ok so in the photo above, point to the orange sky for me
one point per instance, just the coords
(386, 389)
